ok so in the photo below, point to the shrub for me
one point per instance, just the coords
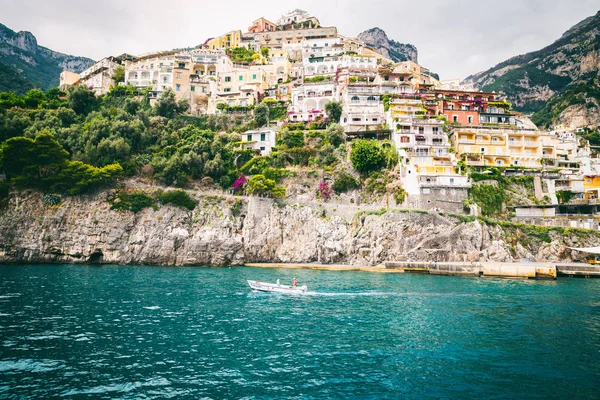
(179, 198)
(135, 201)
(52, 199)
(324, 191)
(344, 182)
(236, 208)
(4, 189)
(366, 156)
(259, 185)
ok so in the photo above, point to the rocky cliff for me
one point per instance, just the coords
(378, 39)
(85, 229)
(38, 65)
(559, 82)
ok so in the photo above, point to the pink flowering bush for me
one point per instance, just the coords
(239, 183)
(325, 191)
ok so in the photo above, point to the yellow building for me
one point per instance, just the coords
(229, 40)
(591, 186)
(68, 79)
(501, 147)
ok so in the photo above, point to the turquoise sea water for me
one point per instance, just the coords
(153, 332)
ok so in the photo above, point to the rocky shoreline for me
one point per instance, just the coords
(84, 230)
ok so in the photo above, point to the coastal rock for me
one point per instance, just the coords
(85, 230)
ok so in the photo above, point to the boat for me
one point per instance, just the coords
(275, 288)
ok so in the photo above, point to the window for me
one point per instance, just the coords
(227, 78)
(371, 99)
(455, 118)
(470, 118)
(203, 90)
(421, 130)
(193, 88)
(262, 148)
(254, 76)
(263, 137)
(404, 139)
(435, 129)
(178, 87)
(495, 139)
(355, 99)
(451, 106)
(426, 191)
(227, 90)
(345, 120)
(482, 149)
(249, 138)
(356, 119)
(451, 180)
(375, 119)
(241, 78)
(181, 65)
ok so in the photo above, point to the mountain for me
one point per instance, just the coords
(35, 65)
(559, 83)
(378, 39)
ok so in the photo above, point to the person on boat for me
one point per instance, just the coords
(295, 282)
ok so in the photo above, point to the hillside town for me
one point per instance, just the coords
(440, 129)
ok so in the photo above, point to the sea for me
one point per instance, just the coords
(145, 332)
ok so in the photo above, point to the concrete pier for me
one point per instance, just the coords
(483, 269)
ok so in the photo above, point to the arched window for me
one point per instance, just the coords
(355, 99)
(371, 99)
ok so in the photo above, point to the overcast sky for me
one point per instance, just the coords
(455, 38)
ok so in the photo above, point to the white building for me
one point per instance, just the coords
(308, 101)
(261, 140)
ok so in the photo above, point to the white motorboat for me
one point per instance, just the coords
(274, 287)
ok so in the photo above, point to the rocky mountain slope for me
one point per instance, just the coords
(37, 65)
(560, 82)
(223, 231)
(378, 39)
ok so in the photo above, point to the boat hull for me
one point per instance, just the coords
(275, 288)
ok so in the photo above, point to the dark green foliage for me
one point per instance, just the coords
(119, 75)
(256, 165)
(135, 201)
(289, 138)
(366, 156)
(489, 197)
(168, 107)
(179, 198)
(344, 182)
(78, 178)
(81, 100)
(4, 189)
(564, 196)
(334, 111)
(276, 174)
(261, 115)
(12, 81)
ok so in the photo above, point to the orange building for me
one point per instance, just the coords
(262, 25)
(472, 108)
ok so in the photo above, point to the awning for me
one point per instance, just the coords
(590, 250)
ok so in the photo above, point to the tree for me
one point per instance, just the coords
(33, 98)
(366, 156)
(119, 75)
(261, 115)
(81, 99)
(167, 105)
(264, 52)
(334, 111)
(291, 139)
(335, 134)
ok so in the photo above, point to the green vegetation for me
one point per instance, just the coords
(134, 201)
(577, 93)
(366, 156)
(242, 55)
(178, 198)
(344, 182)
(12, 81)
(334, 111)
(261, 186)
(261, 115)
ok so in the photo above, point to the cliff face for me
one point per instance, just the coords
(84, 229)
(552, 80)
(378, 39)
(36, 64)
